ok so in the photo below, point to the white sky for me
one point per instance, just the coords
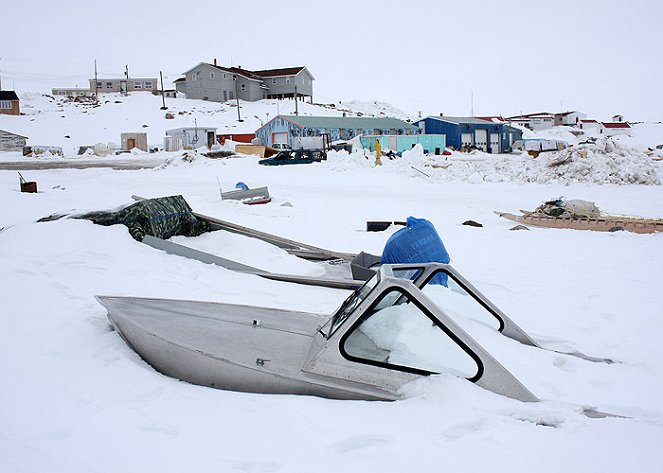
(599, 57)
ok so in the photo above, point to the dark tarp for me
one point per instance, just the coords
(162, 217)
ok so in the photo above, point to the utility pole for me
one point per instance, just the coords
(163, 93)
(96, 83)
(239, 117)
(296, 110)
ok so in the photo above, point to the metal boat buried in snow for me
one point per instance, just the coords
(401, 325)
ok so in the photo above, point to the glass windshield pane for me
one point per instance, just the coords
(411, 274)
(457, 302)
(351, 303)
(403, 335)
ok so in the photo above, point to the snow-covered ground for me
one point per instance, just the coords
(75, 398)
(54, 121)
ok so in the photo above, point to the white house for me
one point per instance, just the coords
(615, 128)
(534, 121)
(589, 124)
(618, 118)
(194, 137)
(569, 118)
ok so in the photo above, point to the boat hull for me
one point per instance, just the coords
(230, 347)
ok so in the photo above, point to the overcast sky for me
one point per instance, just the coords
(486, 56)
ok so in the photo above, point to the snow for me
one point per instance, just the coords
(76, 398)
(57, 121)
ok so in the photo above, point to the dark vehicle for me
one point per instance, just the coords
(300, 156)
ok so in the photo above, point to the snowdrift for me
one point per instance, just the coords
(603, 162)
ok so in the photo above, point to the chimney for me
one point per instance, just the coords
(441, 114)
(215, 61)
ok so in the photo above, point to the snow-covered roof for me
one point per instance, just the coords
(347, 122)
(15, 134)
(458, 120)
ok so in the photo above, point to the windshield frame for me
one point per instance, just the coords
(350, 304)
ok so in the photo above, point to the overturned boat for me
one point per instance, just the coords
(385, 334)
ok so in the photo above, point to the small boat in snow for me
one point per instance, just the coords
(398, 327)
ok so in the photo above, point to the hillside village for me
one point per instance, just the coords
(275, 107)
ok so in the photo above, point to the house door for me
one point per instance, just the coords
(494, 143)
(466, 139)
(393, 143)
(123, 87)
(210, 139)
(481, 139)
(280, 138)
(131, 143)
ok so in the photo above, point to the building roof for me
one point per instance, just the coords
(528, 116)
(15, 134)
(255, 75)
(8, 95)
(616, 125)
(463, 120)
(304, 121)
(185, 128)
(492, 118)
(287, 71)
(589, 121)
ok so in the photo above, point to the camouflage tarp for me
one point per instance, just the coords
(561, 208)
(163, 217)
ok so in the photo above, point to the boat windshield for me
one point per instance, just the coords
(352, 302)
(456, 300)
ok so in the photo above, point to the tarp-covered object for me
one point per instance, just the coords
(418, 242)
(562, 208)
(162, 217)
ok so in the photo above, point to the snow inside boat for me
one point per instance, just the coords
(401, 325)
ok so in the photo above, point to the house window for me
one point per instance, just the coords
(287, 80)
(274, 81)
(5, 104)
(211, 75)
(225, 76)
(148, 85)
(138, 85)
(99, 85)
(303, 80)
(194, 77)
(243, 87)
(109, 85)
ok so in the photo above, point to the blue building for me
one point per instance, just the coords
(285, 128)
(464, 132)
(432, 144)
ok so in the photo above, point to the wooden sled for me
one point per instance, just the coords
(608, 223)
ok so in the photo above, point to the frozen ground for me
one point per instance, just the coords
(75, 398)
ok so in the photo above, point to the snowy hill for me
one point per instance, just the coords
(53, 121)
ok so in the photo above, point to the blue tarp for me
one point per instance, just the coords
(418, 242)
